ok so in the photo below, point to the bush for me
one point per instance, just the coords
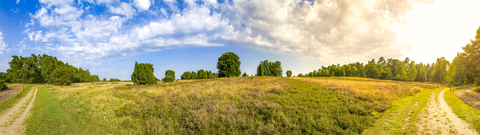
(476, 89)
(143, 74)
(170, 73)
(3, 85)
(168, 78)
(114, 80)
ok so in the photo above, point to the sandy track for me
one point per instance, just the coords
(469, 97)
(8, 93)
(11, 122)
(438, 118)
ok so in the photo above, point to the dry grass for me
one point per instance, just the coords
(377, 89)
(257, 105)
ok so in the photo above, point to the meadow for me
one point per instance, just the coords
(242, 105)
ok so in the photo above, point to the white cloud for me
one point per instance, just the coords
(3, 45)
(123, 9)
(333, 31)
(142, 5)
(18, 1)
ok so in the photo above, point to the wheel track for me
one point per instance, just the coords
(11, 122)
(437, 118)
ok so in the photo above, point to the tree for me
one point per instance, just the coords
(228, 65)
(411, 72)
(289, 73)
(270, 68)
(63, 74)
(244, 74)
(143, 74)
(170, 73)
(260, 70)
(300, 75)
(168, 78)
(104, 79)
(440, 70)
(186, 75)
(194, 75)
(471, 57)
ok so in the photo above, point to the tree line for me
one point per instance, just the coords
(45, 69)
(464, 68)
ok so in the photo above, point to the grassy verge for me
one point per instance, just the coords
(53, 117)
(10, 102)
(462, 110)
(402, 116)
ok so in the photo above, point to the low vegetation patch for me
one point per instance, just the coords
(462, 110)
(476, 89)
(255, 105)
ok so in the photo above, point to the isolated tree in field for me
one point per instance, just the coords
(143, 74)
(104, 79)
(289, 73)
(170, 73)
(228, 65)
(300, 75)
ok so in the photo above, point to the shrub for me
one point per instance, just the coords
(476, 89)
(3, 85)
(114, 80)
(143, 74)
(170, 73)
(168, 78)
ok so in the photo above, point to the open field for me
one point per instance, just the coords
(257, 105)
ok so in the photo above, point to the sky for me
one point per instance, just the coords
(108, 36)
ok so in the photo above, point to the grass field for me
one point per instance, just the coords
(256, 105)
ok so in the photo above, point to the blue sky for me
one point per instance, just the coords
(108, 36)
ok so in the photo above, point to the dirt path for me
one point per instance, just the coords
(469, 97)
(438, 118)
(11, 122)
(8, 93)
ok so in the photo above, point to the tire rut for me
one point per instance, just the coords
(437, 118)
(11, 122)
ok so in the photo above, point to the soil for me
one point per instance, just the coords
(8, 93)
(469, 97)
(438, 118)
(11, 121)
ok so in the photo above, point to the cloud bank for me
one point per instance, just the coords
(330, 30)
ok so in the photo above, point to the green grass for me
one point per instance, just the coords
(10, 102)
(51, 116)
(394, 120)
(255, 105)
(462, 110)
